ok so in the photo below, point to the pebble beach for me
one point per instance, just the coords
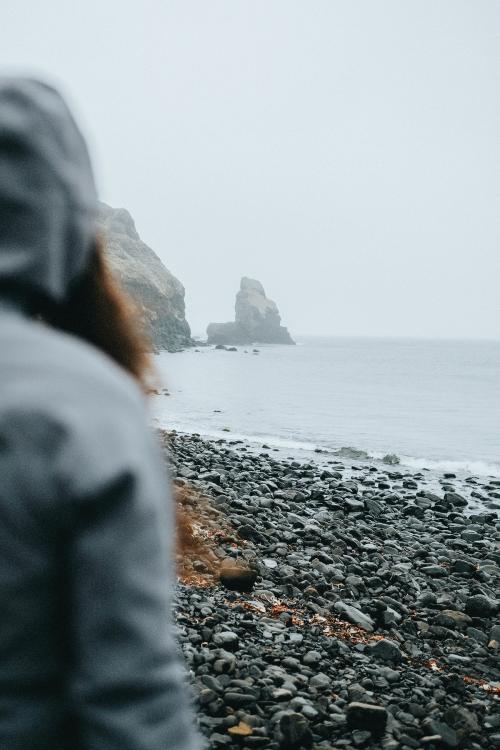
(337, 604)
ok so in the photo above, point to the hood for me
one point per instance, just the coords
(48, 201)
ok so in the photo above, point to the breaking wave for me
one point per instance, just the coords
(347, 453)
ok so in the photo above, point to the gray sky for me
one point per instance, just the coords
(344, 152)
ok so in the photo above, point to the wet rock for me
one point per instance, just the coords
(391, 458)
(455, 499)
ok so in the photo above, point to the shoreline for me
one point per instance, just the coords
(373, 620)
(481, 490)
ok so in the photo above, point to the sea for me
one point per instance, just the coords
(435, 404)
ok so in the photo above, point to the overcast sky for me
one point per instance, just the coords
(344, 152)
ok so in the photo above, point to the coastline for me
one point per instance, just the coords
(374, 617)
(480, 489)
(435, 406)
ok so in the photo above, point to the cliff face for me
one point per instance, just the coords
(157, 293)
(257, 319)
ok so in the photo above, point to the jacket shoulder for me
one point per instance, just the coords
(36, 353)
(54, 385)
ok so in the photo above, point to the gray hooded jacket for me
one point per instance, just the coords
(87, 657)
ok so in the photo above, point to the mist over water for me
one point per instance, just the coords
(436, 404)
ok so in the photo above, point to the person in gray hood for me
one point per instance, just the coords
(88, 660)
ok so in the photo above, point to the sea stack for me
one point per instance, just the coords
(156, 292)
(257, 320)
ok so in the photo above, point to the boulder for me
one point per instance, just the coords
(257, 319)
(237, 576)
(158, 295)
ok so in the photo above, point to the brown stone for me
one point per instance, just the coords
(237, 576)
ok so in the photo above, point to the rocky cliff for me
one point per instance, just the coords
(158, 294)
(257, 319)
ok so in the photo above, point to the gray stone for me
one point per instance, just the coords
(480, 606)
(320, 680)
(355, 616)
(463, 567)
(238, 700)
(386, 650)
(226, 639)
(448, 736)
(311, 658)
(434, 571)
(451, 618)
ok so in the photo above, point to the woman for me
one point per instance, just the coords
(87, 656)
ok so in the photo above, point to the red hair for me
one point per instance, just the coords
(99, 311)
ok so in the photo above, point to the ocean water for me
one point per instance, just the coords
(436, 404)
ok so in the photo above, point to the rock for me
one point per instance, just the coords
(495, 634)
(480, 606)
(367, 716)
(386, 650)
(463, 721)
(320, 681)
(447, 735)
(159, 296)
(312, 658)
(463, 567)
(374, 507)
(247, 531)
(237, 576)
(240, 730)
(225, 663)
(354, 506)
(318, 564)
(471, 536)
(455, 499)
(434, 571)
(391, 459)
(355, 616)
(238, 700)
(281, 695)
(256, 319)
(450, 618)
(226, 639)
(349, 452)
(296, 732)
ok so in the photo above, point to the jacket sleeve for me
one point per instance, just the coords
(127, 686)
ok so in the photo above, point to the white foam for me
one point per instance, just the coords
(271, 440)
(475, 468)
(472, 467)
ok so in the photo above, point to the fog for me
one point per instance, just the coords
(344, 153)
